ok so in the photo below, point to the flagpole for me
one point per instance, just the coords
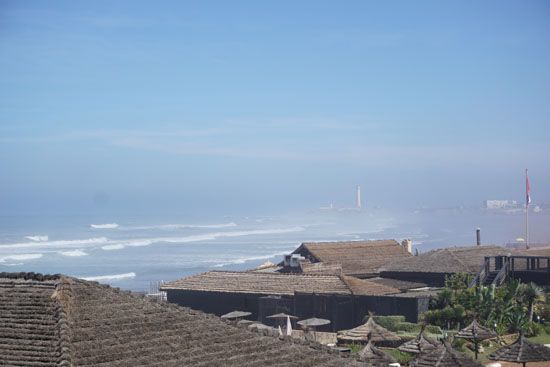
(527, 199)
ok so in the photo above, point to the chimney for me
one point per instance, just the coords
(407, 244)
(478, 237)
(358, 197)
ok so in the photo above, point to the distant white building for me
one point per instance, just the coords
(501, 204)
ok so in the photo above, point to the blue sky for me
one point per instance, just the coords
(271, 105)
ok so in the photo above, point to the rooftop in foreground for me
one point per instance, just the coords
(61, 321)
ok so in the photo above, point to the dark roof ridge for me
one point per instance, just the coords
(30, 276)
(62, 297)
(311, 275)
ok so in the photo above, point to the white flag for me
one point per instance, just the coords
(288, 326)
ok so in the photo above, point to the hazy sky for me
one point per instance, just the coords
(158, 105)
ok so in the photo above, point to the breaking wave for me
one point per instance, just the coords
(21, 257)
(112, 247)
(73, 253)
(104, 226)
(243, 260)
(37, 238)
(56, 244)
(110, 277)
(181, 226)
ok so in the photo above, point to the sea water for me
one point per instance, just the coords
(131, 251)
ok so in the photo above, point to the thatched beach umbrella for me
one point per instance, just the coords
(369, 331)
(444, 356)
(418, 345)
(236, 315)
(282, 318)
(374, 356)
(281, 315)
(476, 333)
(522, 351)
(313, 323)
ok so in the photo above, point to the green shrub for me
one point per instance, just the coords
(547, 327)
(408, 327)
(433, 329)
(402, 357)
(389, 322)
(459, 344)
(533, 329)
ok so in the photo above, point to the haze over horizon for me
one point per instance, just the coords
(244, 106)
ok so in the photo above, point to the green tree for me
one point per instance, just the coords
(530, 294)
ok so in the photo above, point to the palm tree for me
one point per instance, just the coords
(530, 293)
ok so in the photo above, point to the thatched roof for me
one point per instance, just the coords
(369, 331)
(374, 356)
(475, 331)
(446, 260)
(420, 344)
(402, 285)
(277, 284)
(444, 356)
(357, 258)
(62, 321)
(522, 350)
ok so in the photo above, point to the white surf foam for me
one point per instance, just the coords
(104, 226)
(21, 257)
(56, 244)
(181, 226)
(243, 260)
(110, 277)
(112, 247)
(73, 253)
(37, 238)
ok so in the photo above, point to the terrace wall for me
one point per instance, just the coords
(430, 279)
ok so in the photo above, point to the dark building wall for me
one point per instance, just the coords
(539, 277)
(345, 312)
(431, 279)
(409, 307)
(271, 305)
(217, 303)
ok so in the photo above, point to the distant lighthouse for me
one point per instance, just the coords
(358, 197)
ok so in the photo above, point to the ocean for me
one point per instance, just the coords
(131, 251)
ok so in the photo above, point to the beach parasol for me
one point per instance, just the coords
(444, 356)
(236, 315)
(522, 351)
(369, 331)
(374, 356)
(476, 333)
(420, 344)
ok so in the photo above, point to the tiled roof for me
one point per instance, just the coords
(447, 260)
(62, 321)
(277, 284)
(355, 257)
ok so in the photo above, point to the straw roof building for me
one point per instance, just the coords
(432, 267)
(61, 321)
(278, 284)
(444, 356)
(369, 332)
(360, 259)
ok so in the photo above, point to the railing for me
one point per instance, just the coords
(503, 273)
(481, 275)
